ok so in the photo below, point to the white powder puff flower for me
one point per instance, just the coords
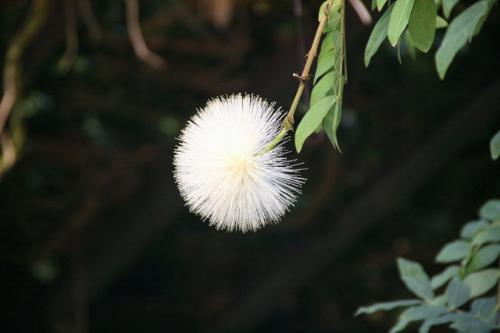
(224, 169)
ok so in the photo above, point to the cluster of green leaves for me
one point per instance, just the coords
(325, 105)
(443, 298)
(464, 283)
(414, 23)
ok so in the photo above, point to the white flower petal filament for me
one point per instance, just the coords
(223, 170)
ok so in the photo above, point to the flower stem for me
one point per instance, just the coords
(311, 55)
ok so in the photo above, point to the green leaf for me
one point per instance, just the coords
(457, 293)
(321, 11)
(386, 306)
(438, 301)
(417, 313)
(484, 308)
(422, 25)
(480, 24)
(482, 281)
(448, 7)
(472, 228)
(380, 4)
(454, 251)
(410, 45)
(495, 146)
(323, 88)
(488, 235)
(428, 323)
(484, 257)
(443, 277)
(458, 33)
(330, 53)
(441, 22)
(377, 36)
(463, 320)
(311, 120)
(331, 124)
(490, 210)
(324, 64)
(415, 278)
(333, 23)
(399, 20)
(466, 322)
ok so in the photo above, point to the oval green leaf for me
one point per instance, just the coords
(398, 21)
(495, 146)
(481, 282)
(311, 120)
(377, 36)
(460, 30)
(422, 26)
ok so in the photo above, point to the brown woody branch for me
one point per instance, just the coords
(141, 49)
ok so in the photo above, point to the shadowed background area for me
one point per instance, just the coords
(94, 236)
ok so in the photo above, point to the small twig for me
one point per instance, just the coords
(363, 13)
(137, 39)
(311, 55)
(89, 19)
(71, 35)
(303, 78)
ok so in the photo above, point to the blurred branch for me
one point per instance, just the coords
(373, 205)
(137, 39)
(89, 19)
(363, 13)
(12, 83)
(71, 37)
(8, 153)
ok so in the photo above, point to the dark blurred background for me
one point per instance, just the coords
(94, 236)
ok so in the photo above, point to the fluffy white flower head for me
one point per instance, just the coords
(223, 170)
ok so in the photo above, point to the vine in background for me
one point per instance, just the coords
(469, 278)
(12, 84)
(12, 141)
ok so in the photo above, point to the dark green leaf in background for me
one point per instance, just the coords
(490, 210)
(415, 278)
(484, 308)
(417, 313)
(457, 293)
(387, 306)
(484, 257)
(472, 228)
(488, 235)
(495, 146)
(454, 251)
(443, 277)
(482, 281)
